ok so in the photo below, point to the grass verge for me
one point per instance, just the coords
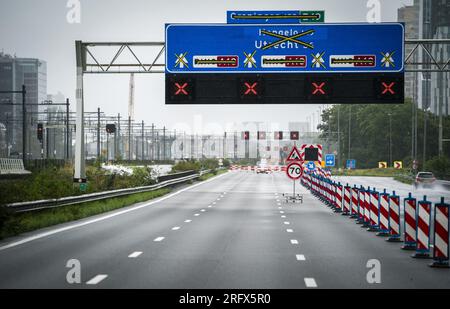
(375, 172)
(212, 174)
(19, 223)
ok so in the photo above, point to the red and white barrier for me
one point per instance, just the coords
(354, 202)
(441, 238)
(367, 207)
(384, 214)
(339, 191)
(394, 218)
(423, 229)
(361, 205)
(374, 211)
(410, 205)
(347, 199)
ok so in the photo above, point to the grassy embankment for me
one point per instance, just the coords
(403, 176)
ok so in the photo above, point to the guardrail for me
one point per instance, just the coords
(72, 200)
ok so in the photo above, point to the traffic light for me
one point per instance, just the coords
(246, 135)
(110, 128)
(40, 132)
(294, 135)
(278, 135)
(311, 154)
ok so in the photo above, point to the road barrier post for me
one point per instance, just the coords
(384, 214)
(367, 207)
(354, 202)
(361, 205)
(441, 238)
(394, 218)
(410, 205)
(423, 223)
(347, 199)
(374, 211)
(339, 192)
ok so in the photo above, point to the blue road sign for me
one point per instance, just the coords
(274, 17)
(351, 164)
(329, 160)
(311, 165)
(314, 48)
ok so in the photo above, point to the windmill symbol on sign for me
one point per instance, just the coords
(250, 60)
(387, 59)
(181, 61)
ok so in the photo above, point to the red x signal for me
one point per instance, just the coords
(318, 88)
(388, 88)
(181, 89)
(251, 89)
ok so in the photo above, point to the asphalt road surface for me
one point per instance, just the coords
(234, 231)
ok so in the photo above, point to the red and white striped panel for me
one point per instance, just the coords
(354, 201)
(394, 216)
(441, 224)
(339, 189)
(362, 205)
(384, 212)
(318, 146)
(347, 199)
(423, 225)
(410, 221)
(374, 210)
(367, 206)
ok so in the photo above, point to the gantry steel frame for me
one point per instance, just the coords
(84, 50)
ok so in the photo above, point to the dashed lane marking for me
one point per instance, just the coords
(300, 257)
(290, 230)
(97, 279)
(286, 223)
(203, 210)
(294, 241)
(196, 215)
(281, 212)
(187, 221)
(283, 216)
(175, 228)
(135, 254)
(158, 239)
(310, 283)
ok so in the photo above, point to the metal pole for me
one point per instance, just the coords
(142, 142)
(390, 139)
(425, 116)
(440, 129)
(24, 125)
(349, 132)
(164, 143)
(80, 169)
(107, 146)
(117, 152)
(129, 138)
(98, 133)
(339, 135)
(153, 141)
(67, 129)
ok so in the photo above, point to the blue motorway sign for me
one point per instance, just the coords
(351, 164)
(311, 165)
(313, 48)
(274, 17)
(330, 160)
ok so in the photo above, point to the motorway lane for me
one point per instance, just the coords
(101, 245)
(245, 237)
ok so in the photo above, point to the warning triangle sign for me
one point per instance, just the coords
(294, 155)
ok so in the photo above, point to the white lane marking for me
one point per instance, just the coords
(97, 279)
(280, 208)
(286, 222)
(279, 204)
(135, 254)
(214, 203)
(283, 216)
(294, 241)
(159, 238)
(202, 210)
(187, 221)
(310, 283)
(281, 212)
(209, 206)
(300, 257)
(290, 230)
(109, 216)
(196, 215)
(175, 228)
(218, 199)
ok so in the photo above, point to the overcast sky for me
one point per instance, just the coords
(39, 29)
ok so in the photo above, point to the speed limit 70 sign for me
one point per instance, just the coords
(294, 170)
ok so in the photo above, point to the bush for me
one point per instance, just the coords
(186, 166)
(4, 215)
(440, 166)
